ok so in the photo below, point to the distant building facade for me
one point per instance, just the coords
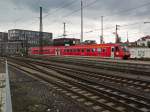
(17, 41)
(66, 41)
(3, 41)
(11, 48)
(2, 48)
(3, 37)
(29, 37)
(144, 41)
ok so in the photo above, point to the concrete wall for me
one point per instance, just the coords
(140, 52)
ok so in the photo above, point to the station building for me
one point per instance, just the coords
(144, 41)
(66, 41)
(29, 37)
(3, 37)
(3, 41)
(17, 41)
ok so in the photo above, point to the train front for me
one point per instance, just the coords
(125, 52)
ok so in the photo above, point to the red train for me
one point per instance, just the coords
(116, 51)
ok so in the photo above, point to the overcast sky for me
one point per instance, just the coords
(129, 14)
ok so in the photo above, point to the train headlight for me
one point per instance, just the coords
(117, 53)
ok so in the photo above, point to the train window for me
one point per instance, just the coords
(113, 49)
(74, 50)
(35, 50)
(99, 49)
(93, 50)
(46, 50)
(104, 50)
(88, 50)
(70, 50)
(117, 48)
(78, 50)
(82, 50)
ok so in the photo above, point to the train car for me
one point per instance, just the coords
(115, 51)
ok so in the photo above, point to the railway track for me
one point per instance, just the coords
(86, 89)
(134, 68)
(141, 85)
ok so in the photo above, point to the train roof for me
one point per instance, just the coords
(83, 45)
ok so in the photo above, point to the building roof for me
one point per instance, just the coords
(28, 30)
(66, 39)
(144, 38)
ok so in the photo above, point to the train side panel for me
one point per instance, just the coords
(100, 50)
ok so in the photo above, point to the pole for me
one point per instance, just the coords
(41, 33)
(81, 21)
(117, 38)
(26, 37)
(127, 37)
(101, 39)
(64, 30)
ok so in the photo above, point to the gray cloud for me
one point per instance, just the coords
(115, 11)
(114, 8)
(46, 4)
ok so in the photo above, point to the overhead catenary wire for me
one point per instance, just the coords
(106, 28)
(90, 4)
(36, 19)
(75, 11)
(58, 9)
(126, 10)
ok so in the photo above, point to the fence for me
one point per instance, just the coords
(5, 95)
(140, 52)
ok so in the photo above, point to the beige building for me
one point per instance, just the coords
(144, 41)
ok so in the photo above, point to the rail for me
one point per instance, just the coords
(66, 80)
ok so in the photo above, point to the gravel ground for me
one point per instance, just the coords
(30, 95)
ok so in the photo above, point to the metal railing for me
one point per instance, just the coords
(5, 95)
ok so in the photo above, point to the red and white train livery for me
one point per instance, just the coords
(99, 50)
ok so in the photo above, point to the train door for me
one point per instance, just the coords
(57, 52)
(112, 52)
